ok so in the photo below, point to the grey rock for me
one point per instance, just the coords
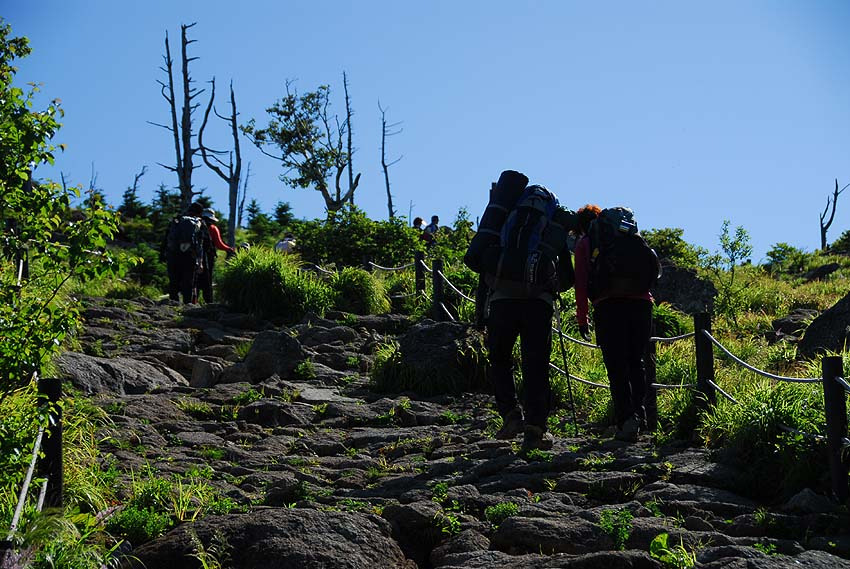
(795, 323)
(116, 375)
(273, 353)
(518, 535)
(205, 373)
(282, 538)
(806, 501)
(827, 332)
(684, 290)
(820, 273)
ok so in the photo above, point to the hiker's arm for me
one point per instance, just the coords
(215, 236)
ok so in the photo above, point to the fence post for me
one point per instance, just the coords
(437, 290)
(650, 398)
(50, 467)
(419, 268)
(835, 406)
(705, 356)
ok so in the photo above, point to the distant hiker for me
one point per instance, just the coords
(615, 269)
(286, 245)
(184, 253)
(212, 244)
(523, 256)
(417, 223)
(429, 234)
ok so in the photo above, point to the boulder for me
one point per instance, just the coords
(684, 290)
(273, 353)
(820, 273)
(279, 538)
(123, 376)
(827, 332)
(795, 323)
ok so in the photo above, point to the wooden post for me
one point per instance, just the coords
(705, 357)
(50, 467)
(437, 289)
(835, 406)
(650, 398)
(419, 268)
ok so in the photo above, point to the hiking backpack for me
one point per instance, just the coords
(526, 262)
(186, 234)
(621, 262)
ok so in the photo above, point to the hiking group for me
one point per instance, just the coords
(522, 253)
(190, 247)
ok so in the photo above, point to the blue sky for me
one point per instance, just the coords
(688, 112)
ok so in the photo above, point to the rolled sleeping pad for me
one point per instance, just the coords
(503, 197)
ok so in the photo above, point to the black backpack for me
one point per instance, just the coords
(526, 262)
(185, 234)
(621, 262)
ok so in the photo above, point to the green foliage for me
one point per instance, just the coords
(273, 286)
(447, 522)
(755, 432)
(451, 243)
(498, 513)
(139, 525)
(670, 322)
(311, 152)
(841, 246)
(785, 258)
(391, 373)
(348, 236)
(675, 557)
(669, 244)
(735, 250)
(150, 270)
(38, 218)
(359, 291)
(618, 525)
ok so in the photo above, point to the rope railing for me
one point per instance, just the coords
(722, 392)
(574, 340)
(577, 378)
(673, 386)
(446, 311)
(755, 369)
(401, 268)
(424, 266)
(320, 269)
(454, 288)
(672, 339)
(802, 434)
(22, 497)
(843, 383)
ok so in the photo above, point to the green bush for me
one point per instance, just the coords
(270, 285)
(358, 291)
(500, 512)
(138, 525)
(668, 244)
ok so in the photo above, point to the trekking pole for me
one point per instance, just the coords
(566, 366)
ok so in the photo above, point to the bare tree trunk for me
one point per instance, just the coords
(234, 168)
(833, 200)
(244, 193)
(348, 114)
(386, 130)
(182, 131)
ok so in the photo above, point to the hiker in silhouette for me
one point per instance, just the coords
(622, 319)
(183, 246)
(429, 234)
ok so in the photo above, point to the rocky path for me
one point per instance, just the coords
(335, 476)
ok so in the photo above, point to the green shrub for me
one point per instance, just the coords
(500, 512)
(139, 525)
(668, 244)
(358, 291)
(618, 525)
(269, 285)
(670, 322)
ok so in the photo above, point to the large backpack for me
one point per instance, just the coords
(621, 262)
(526, 262)
(185, 234)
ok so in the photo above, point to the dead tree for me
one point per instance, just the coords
(182, 131)
(234, 163)
(387, 130)
(348, 114)
(244, 193)
(830, 201)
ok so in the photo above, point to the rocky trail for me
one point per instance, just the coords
(336, 476)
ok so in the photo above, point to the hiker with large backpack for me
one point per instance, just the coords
(521, 251)
(184, 254)
(615, 268)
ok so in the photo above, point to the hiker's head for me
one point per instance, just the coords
(289, 236)
(209, 214)
(417, 221)
(584, 216)
(435, 219)
(195, 209)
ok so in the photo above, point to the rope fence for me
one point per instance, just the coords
(755, 369)
(379, 267)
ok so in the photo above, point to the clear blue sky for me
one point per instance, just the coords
(688, 112)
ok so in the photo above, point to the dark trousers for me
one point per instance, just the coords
(182, 270)
(531, 320)
(623, 328)
(205, 280)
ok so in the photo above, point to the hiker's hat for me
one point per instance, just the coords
(209, 213)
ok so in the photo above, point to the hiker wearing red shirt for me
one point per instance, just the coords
(211, 248)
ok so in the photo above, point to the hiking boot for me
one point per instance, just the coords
(629, 431)
(512, 425)
(536, 438)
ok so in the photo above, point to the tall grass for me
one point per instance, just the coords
(359, 291)
(270, 285)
